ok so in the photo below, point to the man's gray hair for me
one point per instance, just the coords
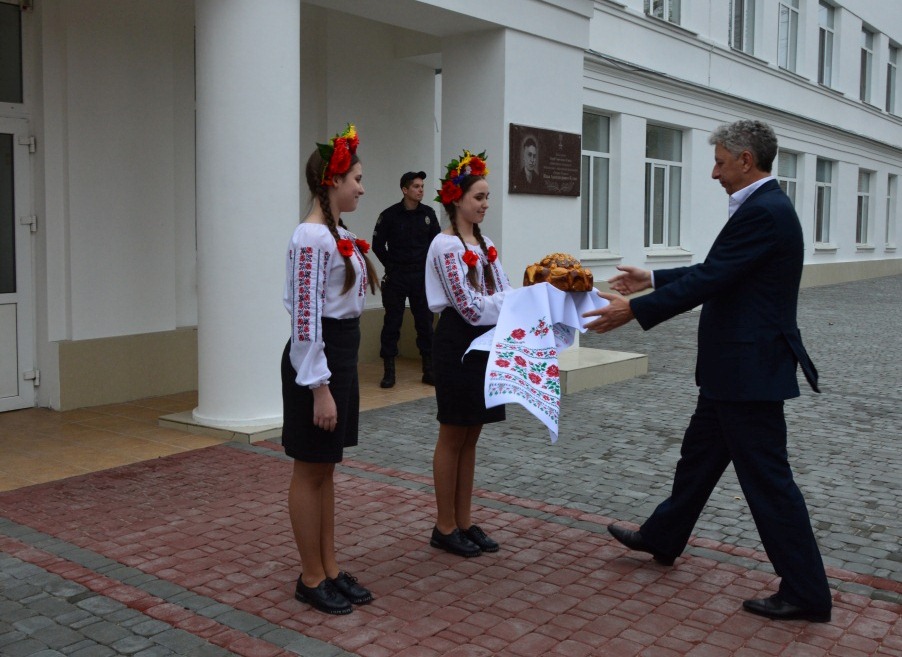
(756, 137)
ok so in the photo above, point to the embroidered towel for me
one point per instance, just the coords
(535, 324)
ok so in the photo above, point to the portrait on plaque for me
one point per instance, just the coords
(543, 161)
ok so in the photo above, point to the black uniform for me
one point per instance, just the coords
(400, 241)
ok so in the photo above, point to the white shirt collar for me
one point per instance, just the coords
(738, 198)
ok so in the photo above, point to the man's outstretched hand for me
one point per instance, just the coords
(615, 314)
(630, 280)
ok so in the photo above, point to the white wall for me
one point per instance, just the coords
(370, 82)
(119, 177)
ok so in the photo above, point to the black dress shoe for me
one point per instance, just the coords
(634, 541)
(347, 585)
(324, 596)
(778, 609)
(455, 543)
(475, 534)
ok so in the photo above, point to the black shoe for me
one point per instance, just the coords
(347, 585)
(325, 597)
(388, 377)
(455, 543)
(634, 541)
(778, 609)
(475, 534)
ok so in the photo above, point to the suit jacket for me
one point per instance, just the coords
(749, 345)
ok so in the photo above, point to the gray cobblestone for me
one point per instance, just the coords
(617, 454)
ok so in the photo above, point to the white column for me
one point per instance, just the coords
(248, 201)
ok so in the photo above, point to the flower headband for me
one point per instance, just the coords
(338, 153)
(458, 169)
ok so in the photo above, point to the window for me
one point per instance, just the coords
(10, 53)
(867, 63)
(824, 196)
(596, 166)
(788, 34)
(825, 21)
(667, 10)
(742, 25)
(862, 217)
(892, 194)
(787, 173)
(663, 180)
(891, 75)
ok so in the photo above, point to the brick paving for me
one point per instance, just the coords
(192, 554)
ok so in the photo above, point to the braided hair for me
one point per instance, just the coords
(320, 192)
(451, 209)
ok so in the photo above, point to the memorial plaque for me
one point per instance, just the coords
(543, 161)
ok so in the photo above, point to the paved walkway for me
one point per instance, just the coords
(191, 554)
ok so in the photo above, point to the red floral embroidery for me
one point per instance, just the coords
(502, 363)
(535, 378)
(553, 371)
(492, 254)
(518, 334)
(363, 245)
(470, 258)
(345, 247)
(520, 361)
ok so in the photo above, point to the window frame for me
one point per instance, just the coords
(866, 71)
(825, 41)
(788, 34)
(892, 208)
(742, 37)
(664, 10)
(789, 185)
(823, 201)
(588, 222)
(892, 78)
(863, 209)
(671, 197)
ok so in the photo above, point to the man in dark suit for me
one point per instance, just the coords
(749, 347)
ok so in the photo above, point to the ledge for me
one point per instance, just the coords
(186, 422)
(583, 368)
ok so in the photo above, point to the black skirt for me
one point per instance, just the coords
(302, 439)
(459, 386)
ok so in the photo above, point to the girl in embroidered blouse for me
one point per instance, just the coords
(325, 288)
(466, 284)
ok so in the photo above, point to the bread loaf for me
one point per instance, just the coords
(562, 270)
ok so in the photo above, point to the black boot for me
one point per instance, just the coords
(388, 379)
(427, 370)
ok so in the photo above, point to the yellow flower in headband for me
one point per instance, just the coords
(338, 153)
(457, 170)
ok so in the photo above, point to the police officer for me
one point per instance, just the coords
(400, 241)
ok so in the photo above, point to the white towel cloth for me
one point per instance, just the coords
(535, 324)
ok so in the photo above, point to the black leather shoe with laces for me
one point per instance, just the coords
(324, 597)
(475, 534)
(634, 541)
(778, 609)
(455, 543)
(347, 585)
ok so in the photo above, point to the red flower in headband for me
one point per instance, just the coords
(492, 254)
(456, 171)
(345, 247)
(363, 245)
(338, 153)
(450, 192)
(470, 258)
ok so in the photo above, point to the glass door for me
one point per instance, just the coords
(17, 371)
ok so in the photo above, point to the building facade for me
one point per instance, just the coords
(152, 153)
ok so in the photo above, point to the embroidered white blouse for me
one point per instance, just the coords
(447, 284)
(314, 277)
